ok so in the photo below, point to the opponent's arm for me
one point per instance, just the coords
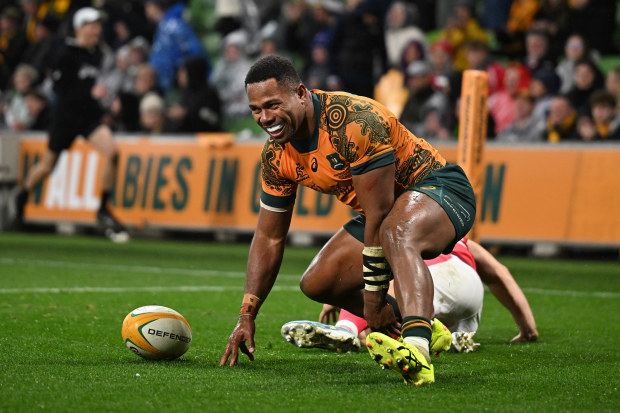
(375, 191)
(264, 261)
(504, 287)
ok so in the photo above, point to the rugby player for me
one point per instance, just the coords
(77, 113)
(413, 205)
(458, 280)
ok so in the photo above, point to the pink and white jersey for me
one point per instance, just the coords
(460, 250)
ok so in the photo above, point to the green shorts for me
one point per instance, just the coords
(450, 188)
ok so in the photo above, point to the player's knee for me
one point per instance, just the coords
(311, 286)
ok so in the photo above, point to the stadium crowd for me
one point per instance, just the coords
(179, 66)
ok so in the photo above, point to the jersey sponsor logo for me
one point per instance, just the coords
(336, 161)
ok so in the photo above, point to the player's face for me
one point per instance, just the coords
(277, 109)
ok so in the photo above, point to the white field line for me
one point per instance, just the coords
(131, 268)
(203, 273)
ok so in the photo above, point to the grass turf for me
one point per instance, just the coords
(62, 301)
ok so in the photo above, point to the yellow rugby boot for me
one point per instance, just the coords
(441, 340)
(405, 359)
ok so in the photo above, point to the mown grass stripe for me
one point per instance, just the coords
(131, 268)
(154, 289)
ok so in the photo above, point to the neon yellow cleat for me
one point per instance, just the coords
(406, 360)
(441, 340)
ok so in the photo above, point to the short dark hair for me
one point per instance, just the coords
(274, 67)
(602, 98)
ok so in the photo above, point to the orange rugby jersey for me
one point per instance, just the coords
(352, 135)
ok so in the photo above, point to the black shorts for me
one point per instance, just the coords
(62, 136)
(450, 188)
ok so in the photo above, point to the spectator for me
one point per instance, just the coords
(501, 103)
(13, 42)
(526, 128)
(358, 46)
(402, 28)
(199, 109)
(537, 51)
(152, 119)
(433, 127)
(562, 121)
(412, 52)
(544, 85)
(44, 49)
(118, 79)
(595, 20)
(229, 75)
(318, 75)
(553, 18)
(604, 125)
(30, 10)
(478, 58)
(139, 51)
(512, 38)
(301, 22)
(612, 84)
(495, 14)
(39, 110)
(423, 99)
(440, 58)
(174, 40)
(124, 109)
(233, 15)
(460, 28)
(16, 114)
(588, 78)
(575, 49)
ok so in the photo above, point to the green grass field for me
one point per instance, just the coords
(63, 299)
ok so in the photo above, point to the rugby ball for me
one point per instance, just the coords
(155, 332)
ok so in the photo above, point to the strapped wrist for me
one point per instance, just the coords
(250, 305)
(377, 271)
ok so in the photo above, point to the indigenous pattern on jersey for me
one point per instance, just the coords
(460, 250)
(352, 135)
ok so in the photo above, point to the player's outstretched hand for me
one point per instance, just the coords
(329, 313)
(244, 331)
(525, 336)
(379, 314)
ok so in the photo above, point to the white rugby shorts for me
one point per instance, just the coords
(458, 295)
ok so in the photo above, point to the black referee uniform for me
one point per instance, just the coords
(75, 111)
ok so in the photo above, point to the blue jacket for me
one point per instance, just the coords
(174, 42)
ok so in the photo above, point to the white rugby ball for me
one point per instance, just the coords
(157, 333)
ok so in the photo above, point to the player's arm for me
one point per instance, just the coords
(375, 192)
(504, 287)
(264, 261)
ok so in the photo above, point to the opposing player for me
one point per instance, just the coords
(414, 206)
(458, 280)
(77, 113)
